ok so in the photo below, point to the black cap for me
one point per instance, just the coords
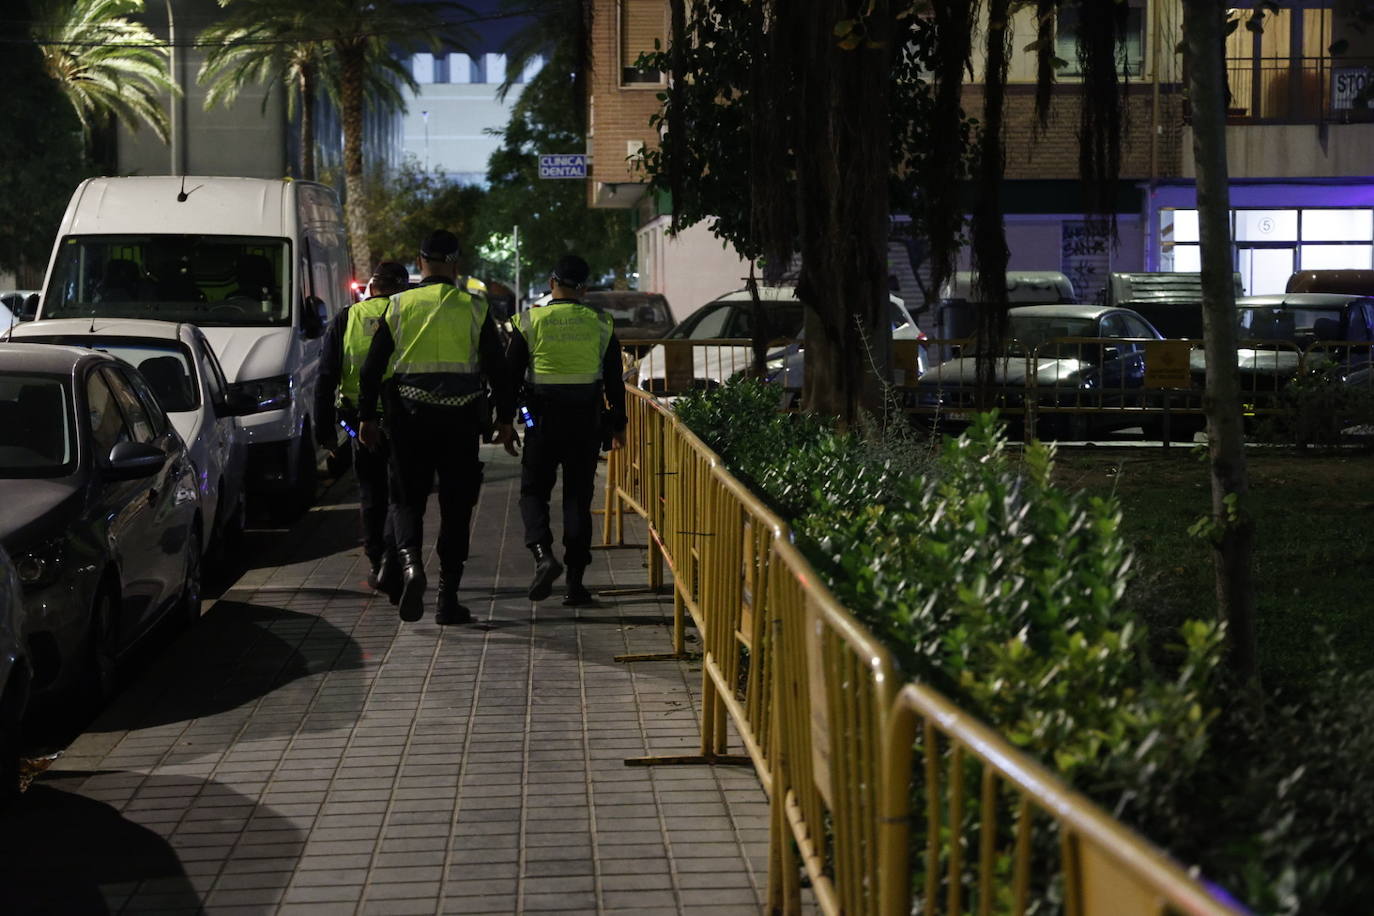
(441, 245)
(392, 272)
(572, 271)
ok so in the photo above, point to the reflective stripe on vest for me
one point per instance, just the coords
(363, 320)
(567, 342)
(436, 329)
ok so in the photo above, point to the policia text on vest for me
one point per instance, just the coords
(429, 360)
(566, 359)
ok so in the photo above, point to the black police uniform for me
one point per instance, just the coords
(570, 423)
(434, 422)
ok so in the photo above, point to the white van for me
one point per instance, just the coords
(259, 265)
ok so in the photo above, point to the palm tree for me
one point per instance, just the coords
(263, 42)
(108, 66)
(364, 36)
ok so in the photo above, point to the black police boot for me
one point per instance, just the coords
(448, 609)
(412, 585)
(578, 596)
(388, 575)
(546, 571)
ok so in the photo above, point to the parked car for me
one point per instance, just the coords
(180, 366)
(1267, 323)
(260, 265)
(14, 678)
(101, 517)
(1065, 373)
(732, 317)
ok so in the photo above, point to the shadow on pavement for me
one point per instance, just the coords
(61, 852)
(235, 655)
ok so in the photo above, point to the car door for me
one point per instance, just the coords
(169, 522)
(225, 443)
(124, 505)
(1123, 359)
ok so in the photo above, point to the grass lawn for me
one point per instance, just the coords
(1314, 553)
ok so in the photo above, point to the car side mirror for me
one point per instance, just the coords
(238, 402)
(314, 317)
(29, 310)
(132, 460)
(1111, 353)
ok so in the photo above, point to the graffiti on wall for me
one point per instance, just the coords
(1085, 257)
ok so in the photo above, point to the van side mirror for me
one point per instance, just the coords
(29, 310)
(238, 402)
(314, 317)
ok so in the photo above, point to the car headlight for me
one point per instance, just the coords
(774, 367)
(270, 393)
(41, 566)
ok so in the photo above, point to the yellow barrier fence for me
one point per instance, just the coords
(841, 745)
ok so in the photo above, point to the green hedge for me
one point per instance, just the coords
(1004, 590)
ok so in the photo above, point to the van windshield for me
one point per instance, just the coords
(207, 280)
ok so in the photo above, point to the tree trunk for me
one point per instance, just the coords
(352, 62)
(990, 253)
(843, 207)
(1233, 537)
(308, 122)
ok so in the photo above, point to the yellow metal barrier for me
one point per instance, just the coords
(839, 744)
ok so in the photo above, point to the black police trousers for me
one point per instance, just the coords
(570, 436)
(425, 442)
(373, 470)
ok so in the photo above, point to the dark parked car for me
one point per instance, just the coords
(1066, 356)
(14, 677)
(101, 513)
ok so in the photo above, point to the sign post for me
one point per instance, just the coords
(563, 165)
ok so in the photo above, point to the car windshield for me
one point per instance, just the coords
(633, 311)
(1032, 331)
(35, 426)
(1299, 325)
(165, 364)
(221, 281)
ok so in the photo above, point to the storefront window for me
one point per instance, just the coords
(1338, 225)
(1266, 225)
(1337, 257)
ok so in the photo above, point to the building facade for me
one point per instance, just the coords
(1299, 134)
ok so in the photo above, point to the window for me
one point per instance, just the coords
(35, 426)
(1132, 55)
(422, 65)
(642, 24)
(1134, 327)
(214, 375)
(147, 400)
(708, 323)
(220, 281)
(496, 68)
(459, 68)
(107, 423)
(134, 412)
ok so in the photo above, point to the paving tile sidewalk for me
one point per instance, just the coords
(302, 750)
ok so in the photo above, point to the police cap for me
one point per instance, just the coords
(392, 273)
(441, 245)
(572, 271)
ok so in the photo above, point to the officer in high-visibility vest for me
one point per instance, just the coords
(567, 357)
(430, 355)
(346, 343)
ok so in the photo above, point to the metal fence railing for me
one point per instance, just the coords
(1067, 388)
(839, 743)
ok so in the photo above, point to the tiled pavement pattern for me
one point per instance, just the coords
(302, 750)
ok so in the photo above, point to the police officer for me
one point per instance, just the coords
(430, 354)
(346, 343)
(567, 357)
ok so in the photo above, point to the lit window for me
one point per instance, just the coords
(1266, 225)
(1336, 257)
(642, 24)
(1337, 225)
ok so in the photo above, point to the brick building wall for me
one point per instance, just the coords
(617, 114)
(1053, 152)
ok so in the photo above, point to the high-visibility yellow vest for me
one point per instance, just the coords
(437, 329)
(567, 342)
(363, 321)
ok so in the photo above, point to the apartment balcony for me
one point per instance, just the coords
(1304, 90)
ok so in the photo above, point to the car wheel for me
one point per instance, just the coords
(102, 666)
(190, 583)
